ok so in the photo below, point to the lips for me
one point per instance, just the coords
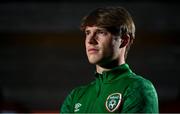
(92, 50)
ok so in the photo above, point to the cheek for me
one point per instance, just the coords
(85, 43)
(113, 47)
(116, 43)
(108, 49)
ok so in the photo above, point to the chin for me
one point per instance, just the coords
(93, 61)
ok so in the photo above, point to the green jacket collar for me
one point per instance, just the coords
(114, 74)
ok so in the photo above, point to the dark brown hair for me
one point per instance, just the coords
(117, 20)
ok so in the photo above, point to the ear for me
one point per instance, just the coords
(124, 40)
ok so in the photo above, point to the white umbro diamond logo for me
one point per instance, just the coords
(77, 106)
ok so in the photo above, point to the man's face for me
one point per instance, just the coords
(101, 46)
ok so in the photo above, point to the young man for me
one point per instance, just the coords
(110, 31)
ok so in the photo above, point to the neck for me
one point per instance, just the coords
(109, 66)
(112, 64)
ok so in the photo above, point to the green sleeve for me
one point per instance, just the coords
(67, 106)
(140, 97)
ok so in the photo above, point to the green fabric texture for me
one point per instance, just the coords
(118, 90)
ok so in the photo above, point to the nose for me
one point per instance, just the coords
(92, 39)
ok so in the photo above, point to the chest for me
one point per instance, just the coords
(104, 98)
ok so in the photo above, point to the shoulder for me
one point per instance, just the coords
(140, 85)
(140, 95)
(139, 81)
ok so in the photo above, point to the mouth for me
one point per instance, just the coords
(92, 50)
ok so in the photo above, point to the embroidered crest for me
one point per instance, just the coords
(113, 101)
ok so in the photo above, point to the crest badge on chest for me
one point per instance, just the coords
(113, 101)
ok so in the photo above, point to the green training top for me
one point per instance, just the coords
(117, 90)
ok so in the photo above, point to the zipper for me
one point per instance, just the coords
(99, 85)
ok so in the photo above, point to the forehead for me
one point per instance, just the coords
(88, 28)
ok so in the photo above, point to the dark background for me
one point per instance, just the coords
(42, 55)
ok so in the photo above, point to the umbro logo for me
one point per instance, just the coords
(77, 106)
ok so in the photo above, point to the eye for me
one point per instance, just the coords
(87, 32)
(101, 32)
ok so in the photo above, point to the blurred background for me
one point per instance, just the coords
(42, 55)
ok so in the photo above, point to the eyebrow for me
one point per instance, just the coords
(104, 29)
